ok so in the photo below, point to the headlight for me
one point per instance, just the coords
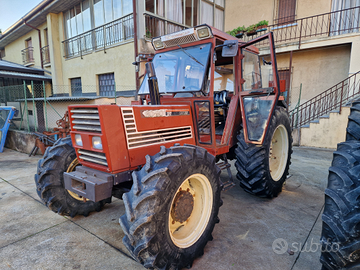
(203, 32)
(158, 44)
(78, 140)
(96, 143)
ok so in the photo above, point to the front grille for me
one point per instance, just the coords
(86, 119)
(180, 40)
(145, 138)
(94, 157)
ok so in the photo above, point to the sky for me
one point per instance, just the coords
(12, 10)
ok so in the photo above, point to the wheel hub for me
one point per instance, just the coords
(182, 206)
(278, 152)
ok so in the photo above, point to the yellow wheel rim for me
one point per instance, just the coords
(278, 154)
(71, 168)
(194, 194)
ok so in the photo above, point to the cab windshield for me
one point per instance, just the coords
(180, 70)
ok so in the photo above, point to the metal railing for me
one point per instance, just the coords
(100, 37)
(330, 100)
(45, 55)
(27, 55)
(157, 26)
(329, 24)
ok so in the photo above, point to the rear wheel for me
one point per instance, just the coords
(353, 127)
(49, 180)
(172, 207)
(262, 169)
(340, 238)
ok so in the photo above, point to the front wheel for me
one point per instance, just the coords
(172, 207)
(49, 180)
(262, 169)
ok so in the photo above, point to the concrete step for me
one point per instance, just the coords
(326, 131)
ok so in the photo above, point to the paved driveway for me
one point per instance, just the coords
(33, 237)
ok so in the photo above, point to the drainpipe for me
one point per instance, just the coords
(41, 57)
(136, 48)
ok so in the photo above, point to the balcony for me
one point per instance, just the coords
(28, 56)
(45, 55)
(325, 25)
(158, 26)
(102, 37)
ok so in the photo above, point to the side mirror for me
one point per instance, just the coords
(230, 48)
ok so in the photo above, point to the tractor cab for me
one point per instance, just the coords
(217, 76)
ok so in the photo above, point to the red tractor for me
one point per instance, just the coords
(205, 97)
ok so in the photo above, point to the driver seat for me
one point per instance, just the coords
(221, 98)
(221, 102)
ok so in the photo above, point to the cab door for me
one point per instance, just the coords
(259, 87)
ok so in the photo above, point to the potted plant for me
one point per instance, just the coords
(240, 31)
(148, 33)
(262, 25)
(251, 30)
(237, 32)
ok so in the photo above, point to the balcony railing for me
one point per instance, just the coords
(45, 55)
(102, 37)
(158, 26)
(324, 25)
(28, 55)
(330, 100)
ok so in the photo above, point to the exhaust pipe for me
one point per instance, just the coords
(153, 84)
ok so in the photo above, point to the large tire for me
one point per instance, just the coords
(165, 227)
(353, 128)
(49, 181)
(340, 238)
(259, 173)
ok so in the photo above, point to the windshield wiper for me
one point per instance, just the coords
(188, 54)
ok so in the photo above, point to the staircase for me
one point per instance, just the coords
(322, 120)
(331, 100)
(325, 132)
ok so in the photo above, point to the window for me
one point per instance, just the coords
(203, 119)
(251, 71)
(345, 17)
(286, 11)
(107, 85)
(91, 14)
(28, 43)
(2, 53)
(212, 13)
(284, 74)
(178, 13)
(177, 72)
(76, 89)
(46, 37)
(224, 78)
(27, 53)
(184, 12)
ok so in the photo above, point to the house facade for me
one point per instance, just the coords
(317, 48)
(86, 49)
(90, 45)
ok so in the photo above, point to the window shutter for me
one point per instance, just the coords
(286, 11)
